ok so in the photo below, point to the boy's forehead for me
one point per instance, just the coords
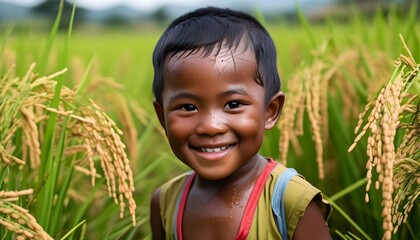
(223, 57)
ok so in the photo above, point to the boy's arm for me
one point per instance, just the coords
(312, 224)
(155, 219)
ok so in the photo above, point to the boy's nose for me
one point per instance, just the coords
(211, 124)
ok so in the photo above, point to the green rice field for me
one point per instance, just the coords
(81, 150)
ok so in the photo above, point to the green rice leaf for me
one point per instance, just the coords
(347, 217)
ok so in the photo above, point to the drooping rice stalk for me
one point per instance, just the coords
(309, 88)
(397, 164)
(306, 92)
(17, 219)
(91, 134)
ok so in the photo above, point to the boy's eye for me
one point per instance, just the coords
(189, 107)
(233, 104)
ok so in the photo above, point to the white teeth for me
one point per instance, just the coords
(219, 149)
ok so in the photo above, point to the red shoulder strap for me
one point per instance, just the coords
(253, 201)
(181, 205)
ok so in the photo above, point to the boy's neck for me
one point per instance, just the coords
(247, 174)
(220, 205)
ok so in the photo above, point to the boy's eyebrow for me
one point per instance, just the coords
(238, 90)
(181, 94)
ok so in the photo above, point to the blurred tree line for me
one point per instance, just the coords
(340, 9)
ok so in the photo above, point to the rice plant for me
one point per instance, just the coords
(87, 138)
(17, 219)
(395, 157)
(51, 138)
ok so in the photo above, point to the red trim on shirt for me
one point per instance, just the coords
(253, 201)
(249, 209)
(184, 196)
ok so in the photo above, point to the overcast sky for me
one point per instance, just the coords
(101, 4)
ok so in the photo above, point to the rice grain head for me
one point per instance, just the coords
(397, 167)
(309, 90)
(25, 107)
(18, 219)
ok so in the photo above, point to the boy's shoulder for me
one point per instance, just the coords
(173, 186)
(168, 198)
(298, 194)
(297, 179)
(177, 180)
(297, 187)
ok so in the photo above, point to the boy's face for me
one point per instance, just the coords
(213, 110)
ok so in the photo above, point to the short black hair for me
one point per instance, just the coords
(207, 28)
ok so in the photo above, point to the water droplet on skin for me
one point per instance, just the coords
(237, 196)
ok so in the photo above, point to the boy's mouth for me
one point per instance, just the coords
(214, 149)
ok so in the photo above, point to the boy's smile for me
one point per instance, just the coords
(213, 110)
(217, 90)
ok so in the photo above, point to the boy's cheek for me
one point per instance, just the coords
(178, 126)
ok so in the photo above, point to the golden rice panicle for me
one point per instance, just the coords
(99, 135)
(407, 178)
(91, 132)
(395, 169)
(19, 110)
(130, 130)
(313, 79)
(102, 137)
(13, 91)
(291, 123)
(381, 125)
(407, 164)
(17, 219)
(310, 88)
(305, 93)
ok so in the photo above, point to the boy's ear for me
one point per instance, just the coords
(273, 110)
(159, 113)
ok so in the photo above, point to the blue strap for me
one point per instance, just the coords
(277, 201)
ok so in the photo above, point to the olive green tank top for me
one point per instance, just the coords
(297, 196)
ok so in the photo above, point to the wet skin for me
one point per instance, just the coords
(214, 115)
(214, 112)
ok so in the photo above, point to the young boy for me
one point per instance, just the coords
(217, 90)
